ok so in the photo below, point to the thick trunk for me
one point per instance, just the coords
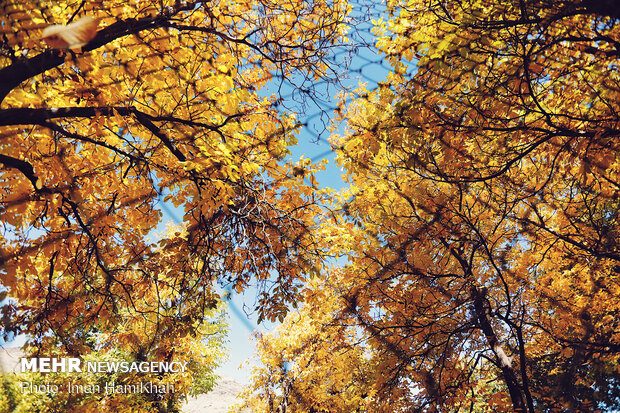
(503, 361)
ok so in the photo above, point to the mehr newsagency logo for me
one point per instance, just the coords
(76, 365)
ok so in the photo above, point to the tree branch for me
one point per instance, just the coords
(146, 122)
(13, 75)
(28, 116)
(24, 167)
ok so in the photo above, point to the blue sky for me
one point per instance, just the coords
(313, 142)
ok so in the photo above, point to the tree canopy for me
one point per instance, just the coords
(160, 105)
(481, 224)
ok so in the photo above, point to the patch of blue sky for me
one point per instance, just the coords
(355, 63)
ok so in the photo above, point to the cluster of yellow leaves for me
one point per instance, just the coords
(309, 364)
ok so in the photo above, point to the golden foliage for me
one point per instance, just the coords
(482, 220)
(159, 105)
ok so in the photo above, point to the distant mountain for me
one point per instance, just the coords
(9, 359)
(218, 400)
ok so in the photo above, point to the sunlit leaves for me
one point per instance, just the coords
(161, 106)
(481, 222)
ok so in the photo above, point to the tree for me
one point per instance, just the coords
(161, 106)
(482, 219)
